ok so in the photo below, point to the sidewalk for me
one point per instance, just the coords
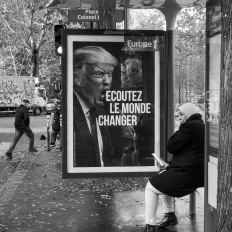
(35, 198)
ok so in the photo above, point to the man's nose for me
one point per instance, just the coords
(107, 79)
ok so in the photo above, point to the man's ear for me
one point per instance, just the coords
(80, 78)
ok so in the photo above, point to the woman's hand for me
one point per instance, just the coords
(162, 167)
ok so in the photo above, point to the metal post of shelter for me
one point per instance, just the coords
(61, 130)
(48, 132)
(126, 16)
(170, 10)
(192, 204)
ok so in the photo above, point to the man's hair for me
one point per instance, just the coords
(93, 55)
(25, 101)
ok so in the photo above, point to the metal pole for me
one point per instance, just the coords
(192, 204)
(61, 131)
(52, 117)
(126, 21)
(48, 132)
(170, 9)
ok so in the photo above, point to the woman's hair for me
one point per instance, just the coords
(92, 55)
(189, 109)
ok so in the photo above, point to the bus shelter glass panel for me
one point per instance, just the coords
(118, 75)
(213, 98)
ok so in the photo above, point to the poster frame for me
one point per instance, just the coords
(103, 172)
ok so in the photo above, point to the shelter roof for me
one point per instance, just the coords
(119, 4)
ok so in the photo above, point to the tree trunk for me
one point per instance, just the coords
(34, 61)
(107, 19)
(107, 14)
(224, 198)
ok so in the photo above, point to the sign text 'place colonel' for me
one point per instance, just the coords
(83, 15)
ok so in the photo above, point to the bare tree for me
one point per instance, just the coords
(107, 14)
(25, 23)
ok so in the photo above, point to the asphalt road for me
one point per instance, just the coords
(38, 125)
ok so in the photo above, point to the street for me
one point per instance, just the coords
(38, 125)
(35, 198)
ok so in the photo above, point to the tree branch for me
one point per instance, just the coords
(8, 25)
(20, 22)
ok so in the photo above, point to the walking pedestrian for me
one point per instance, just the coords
(22, 122)
(55, 126)
(185, 172)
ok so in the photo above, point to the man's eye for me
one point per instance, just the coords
(99, 74)
(102, 74)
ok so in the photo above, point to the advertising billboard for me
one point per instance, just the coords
(113, 102)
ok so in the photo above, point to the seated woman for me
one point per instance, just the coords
(185, 172)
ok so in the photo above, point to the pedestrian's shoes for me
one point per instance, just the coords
(52, 144)
(9, 155)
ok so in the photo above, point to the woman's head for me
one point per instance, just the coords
(186, 110)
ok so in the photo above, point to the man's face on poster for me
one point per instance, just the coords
(96, 80)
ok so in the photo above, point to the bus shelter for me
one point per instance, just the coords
(159, 90)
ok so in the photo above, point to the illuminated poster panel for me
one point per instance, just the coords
(112, 102)
(213, 93)
(213, 98)
(212, 101)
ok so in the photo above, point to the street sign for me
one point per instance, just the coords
(83, 15)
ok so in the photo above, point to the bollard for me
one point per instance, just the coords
(192, 204)
(48, 131)
(52, 118)
(60, 131)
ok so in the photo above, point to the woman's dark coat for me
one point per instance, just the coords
(185, 172)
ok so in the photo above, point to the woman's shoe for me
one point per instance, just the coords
(168, 220)
(150, 228)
